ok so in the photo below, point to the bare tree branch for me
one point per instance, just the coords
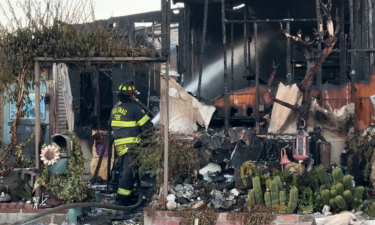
(313, 58)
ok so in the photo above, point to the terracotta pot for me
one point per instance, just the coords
(28, 206)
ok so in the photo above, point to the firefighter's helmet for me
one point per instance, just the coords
(127, 88)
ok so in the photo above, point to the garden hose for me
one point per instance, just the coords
(87, 204)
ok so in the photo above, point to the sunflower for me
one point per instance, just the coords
(50, 154)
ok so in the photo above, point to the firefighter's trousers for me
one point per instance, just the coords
(127, 179)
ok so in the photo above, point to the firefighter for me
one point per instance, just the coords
(128, 120)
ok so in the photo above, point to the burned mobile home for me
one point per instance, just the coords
(259, 34)
(256, 37)
(254, 92)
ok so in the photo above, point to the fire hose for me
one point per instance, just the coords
(86, 205)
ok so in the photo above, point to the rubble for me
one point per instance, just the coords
(185, 111)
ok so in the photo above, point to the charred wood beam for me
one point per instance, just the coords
(371, 35)
(256, 76)
(352, 42)
(188, 44)
(180, 48)
(365, 38)
(249, 40)
(288, 52)
(270, 21)
(357, 39)
(226, 122)
(343, 71)
(245, 46)
(203, 45)
(294, 62)
(232, 48)
(163, 28)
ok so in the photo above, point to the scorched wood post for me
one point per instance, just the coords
(320, 28)
(352, 60)
(365, 39)
(256, 76)
(226, 122)
(371, 35)
(288, 53)
(343, 70)
(37, 116)
(37, 112)
(203, 45)
(231, 48)
(245, 47)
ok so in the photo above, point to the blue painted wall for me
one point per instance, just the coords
(7, 119)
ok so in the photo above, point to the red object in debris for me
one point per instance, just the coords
(301, 148)
(284, 159)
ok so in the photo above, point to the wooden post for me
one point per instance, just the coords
(352, 44)
(288, 53)
(319, 78)
(37, 112)
(203, 45)
(246, 73)
(166, 5)
(226, 122)
(371, 35)
(365, 39)
(37, 117)
(149, 87)
(256, 43)
(231, 48)
(343, 71)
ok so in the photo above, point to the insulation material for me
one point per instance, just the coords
(282, 118)
(174, 93)
(337, 120)
(185, 111)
